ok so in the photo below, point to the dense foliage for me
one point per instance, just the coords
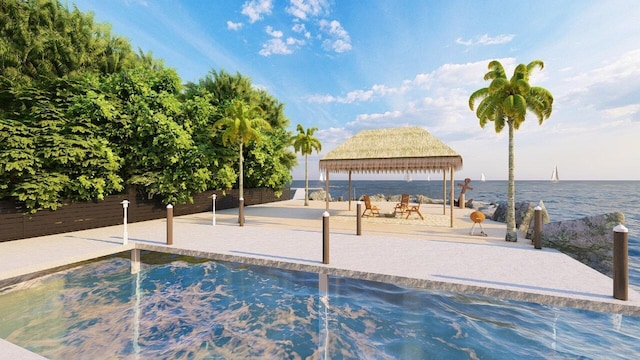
(83, 116)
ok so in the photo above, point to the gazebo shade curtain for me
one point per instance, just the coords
(411, 149)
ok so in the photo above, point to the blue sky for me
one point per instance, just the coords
(345, 66)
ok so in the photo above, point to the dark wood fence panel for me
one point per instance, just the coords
(16, 224)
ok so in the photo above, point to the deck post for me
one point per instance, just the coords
(621, 262)
(169, 224)
(213, 199)
(537, 227)
(325, 237)
(241, 212)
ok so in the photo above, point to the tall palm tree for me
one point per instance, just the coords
(506, 101)
(241, 123)
(305, 143)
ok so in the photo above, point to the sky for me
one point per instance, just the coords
(347, 66)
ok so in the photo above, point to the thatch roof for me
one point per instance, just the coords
(403, 149)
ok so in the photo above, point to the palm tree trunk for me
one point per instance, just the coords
(306, 180)
(512, 235)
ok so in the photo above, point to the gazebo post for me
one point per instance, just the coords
(451, 194)
(444, 191)
(349, 193)
(326, 189)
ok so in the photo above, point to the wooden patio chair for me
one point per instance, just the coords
(403, 205)
(372, 209)
(415, 208)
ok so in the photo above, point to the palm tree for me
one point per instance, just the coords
(305, 143)
(507, 102)
(242, 124)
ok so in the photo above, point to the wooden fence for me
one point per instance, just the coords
(16, 224)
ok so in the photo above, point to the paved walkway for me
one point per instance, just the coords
(422, 253)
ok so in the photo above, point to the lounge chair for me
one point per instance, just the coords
(415, 208)
(403, 205)
(372, 209)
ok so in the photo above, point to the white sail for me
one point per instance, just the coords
(554, 174)
(321, 177)
(428, 177)
(408, 177)
(483, 178)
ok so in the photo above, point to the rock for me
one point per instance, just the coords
(318, 195)
(588, 240)
(487, 209)
(378, 197)
(500, 213)
(528, 221)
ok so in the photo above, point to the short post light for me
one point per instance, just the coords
(325, 237)
(213, 199)
(241, 212)
(621, 262)
(169, 224)
(125, 234)
(537, 227)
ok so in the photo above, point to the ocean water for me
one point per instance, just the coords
(190, 308)
(564, 200)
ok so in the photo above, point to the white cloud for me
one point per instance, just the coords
(301, 29)
(339, 40)
(625, 67)
(622, 111)
(295, 42)
(255, 9)
(320, 99)
(275, 33)
(303, 9)
(486, 40)
(275, 46)
(446, 77)
(332, 137)
(234, 25)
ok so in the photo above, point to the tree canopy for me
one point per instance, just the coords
(506, 102)
(83, 116)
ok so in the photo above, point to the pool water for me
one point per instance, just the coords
(191, 308)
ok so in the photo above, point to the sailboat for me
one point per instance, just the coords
(428, 177)
(554, 175)
(408, 177)
(321, 177)
(483, 178)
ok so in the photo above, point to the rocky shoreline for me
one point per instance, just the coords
(588, 240)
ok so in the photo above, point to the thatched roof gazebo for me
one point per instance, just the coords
(395, 150)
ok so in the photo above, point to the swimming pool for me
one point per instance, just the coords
(191, 308)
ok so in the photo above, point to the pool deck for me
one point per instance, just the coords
(422, 253)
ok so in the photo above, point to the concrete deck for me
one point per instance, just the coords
(421, 253)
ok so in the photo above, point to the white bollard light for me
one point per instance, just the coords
(125, 234)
